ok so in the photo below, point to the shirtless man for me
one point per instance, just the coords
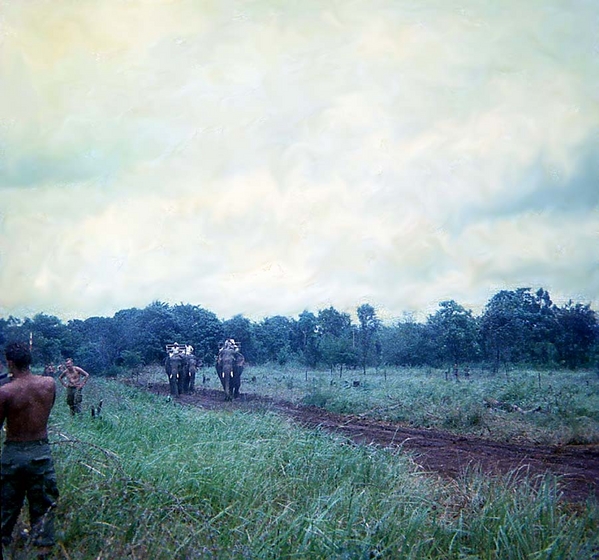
(74, 379)
(26, 466)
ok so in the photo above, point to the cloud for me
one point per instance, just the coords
(551, 190)
(269, 158)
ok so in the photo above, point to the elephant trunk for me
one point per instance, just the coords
(176, 378)
(226, 379)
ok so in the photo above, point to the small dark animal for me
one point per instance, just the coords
(97, 410)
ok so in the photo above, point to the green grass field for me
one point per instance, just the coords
(151, 479)
(559, 407)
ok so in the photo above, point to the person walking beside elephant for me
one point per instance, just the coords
(26, 465)
(73, 378)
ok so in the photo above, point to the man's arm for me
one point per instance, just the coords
(61, 377)
(84, 374)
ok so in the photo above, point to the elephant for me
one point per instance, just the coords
(177, 369)
(229, 366)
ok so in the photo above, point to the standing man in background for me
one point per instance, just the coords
(74, 379)
(26, 466)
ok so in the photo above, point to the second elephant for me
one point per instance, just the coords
(229, 366)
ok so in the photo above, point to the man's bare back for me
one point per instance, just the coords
(26, 465)
(25, 404)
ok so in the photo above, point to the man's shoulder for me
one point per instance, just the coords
(20, 386)
(41, 382)
(8, 390)
(4, 390)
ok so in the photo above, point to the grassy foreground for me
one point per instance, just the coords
(153, 480)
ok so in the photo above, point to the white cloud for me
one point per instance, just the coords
(265, 159)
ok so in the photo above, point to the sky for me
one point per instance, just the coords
(268, 157)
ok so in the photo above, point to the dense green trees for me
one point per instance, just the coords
(516, 327)
(576, 333)
(453, 330)
(408, 343)
(306, 338)
(337, 341)
(273, 336)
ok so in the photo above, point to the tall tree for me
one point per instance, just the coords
(148, 330)
(99, 347)
(502, 326)
(274, 339)
(307, 339)
(543, 328)
(455, 332)
(333, 322)
(337, 338)
(369, 325)
(408, 343)
(519, 326)
(48, 336)
(200, 328)
(577, 334)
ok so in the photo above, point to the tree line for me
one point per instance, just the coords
(515, 327)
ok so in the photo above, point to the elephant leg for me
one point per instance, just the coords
(219, 373)
(173, 385)
(188, 369)
(227, 385)
(171, 380)
(236, 380)
(192, 381)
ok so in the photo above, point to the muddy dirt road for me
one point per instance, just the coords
(437, 452)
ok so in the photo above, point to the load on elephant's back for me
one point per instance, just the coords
(229, 366)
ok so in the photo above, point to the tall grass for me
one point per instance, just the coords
(560, 406)
(151, 479)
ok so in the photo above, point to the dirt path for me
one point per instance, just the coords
(435, 451)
